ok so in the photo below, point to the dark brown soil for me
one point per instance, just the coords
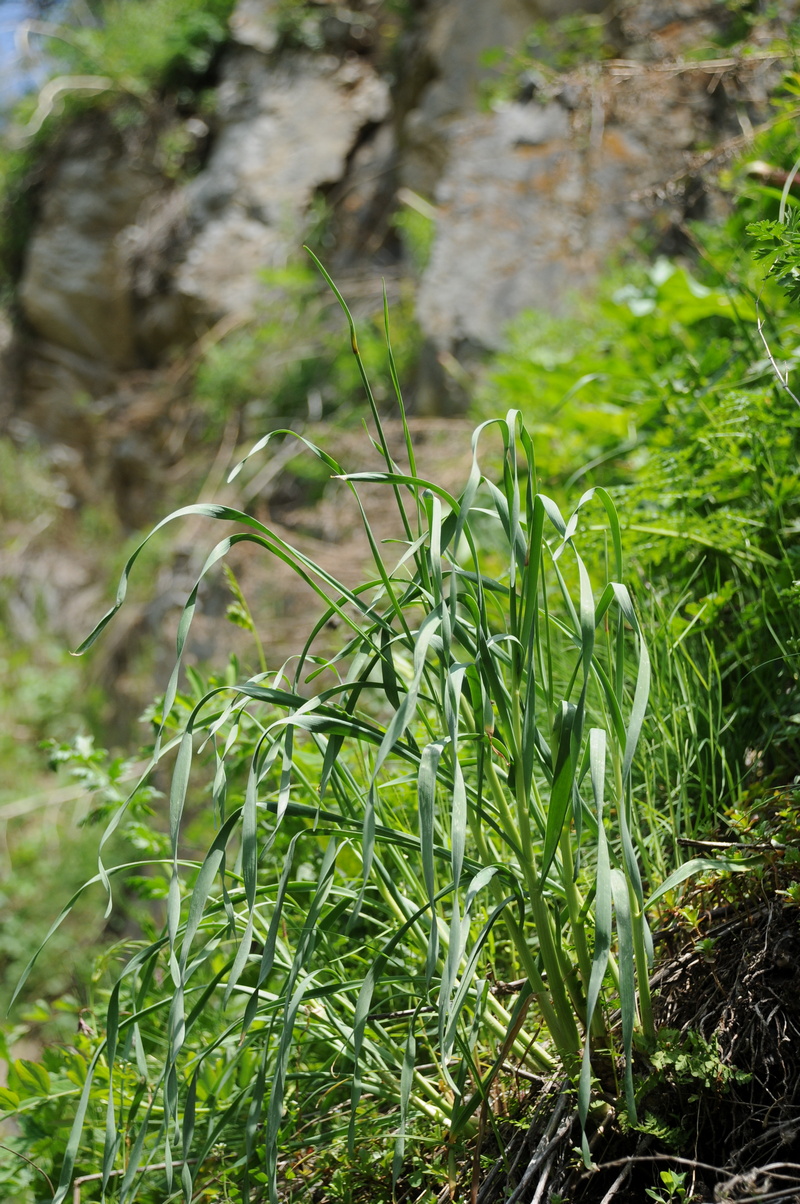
(724, 1108)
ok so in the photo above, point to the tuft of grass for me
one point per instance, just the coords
(446, 801)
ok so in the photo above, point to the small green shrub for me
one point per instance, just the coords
(143, 45)
(689, 1060)
(594, 388)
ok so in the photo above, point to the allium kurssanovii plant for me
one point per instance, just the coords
(444, 801)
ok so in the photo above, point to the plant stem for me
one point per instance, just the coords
(555, 1004)
(525, 1046)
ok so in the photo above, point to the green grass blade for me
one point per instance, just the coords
(602, 929)
(627, 980)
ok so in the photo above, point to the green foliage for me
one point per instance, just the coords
(105, 780)
(569, 40)
(668, 395)
(674, 1187)
(718, 518)
(309, 24)
(42, 691)
(686, 1073)
(449, 795)
(300, 24)
(27, 490)
(688, 1060)
(265, 373)
(416, 224)
(41, 1096)
(778, 243)
(554, 46)
(49, 831)
(769, 821)
(142, 45)
(124, 62)
(672, 1136)
(467, 789)
(593, 387)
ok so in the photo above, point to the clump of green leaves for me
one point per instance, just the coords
(689, 1060)
(777, 243)
(141, 45)
(668, 394)
(674, 1187)
(595, 386)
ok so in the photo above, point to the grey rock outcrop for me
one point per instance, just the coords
(124, 266)
(534, 198)
(75, 290)
(457, 36)
(499, 246)
(285, 133)
(255, 23)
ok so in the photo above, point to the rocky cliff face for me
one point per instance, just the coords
(133, 268)
(530, 197)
